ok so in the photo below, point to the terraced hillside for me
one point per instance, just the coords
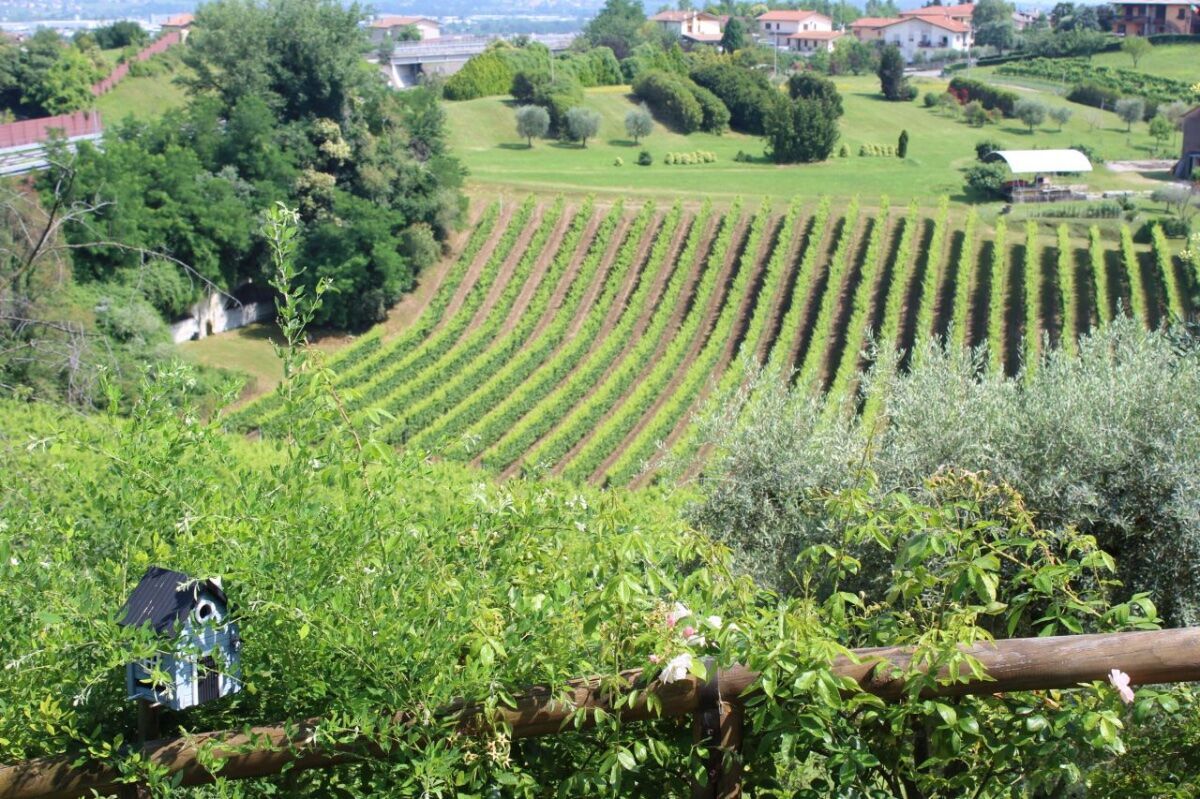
(575, 338)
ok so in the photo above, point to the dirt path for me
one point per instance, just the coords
(504, 273)
(711, 312)
(538, 273)
(481, 258)
(728, 350)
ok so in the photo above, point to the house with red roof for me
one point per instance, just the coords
(691, 26)
(920, 30)
(391, 26)
(181, 24)
(779, 26)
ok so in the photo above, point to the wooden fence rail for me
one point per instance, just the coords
(1020, 664)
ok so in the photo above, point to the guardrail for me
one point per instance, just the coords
(716, 704)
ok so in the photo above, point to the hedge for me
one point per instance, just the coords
(746, 94)
(679, 102)
(990, 96)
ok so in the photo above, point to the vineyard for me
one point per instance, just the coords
(581, 340)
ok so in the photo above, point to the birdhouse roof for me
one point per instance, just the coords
(164, 597)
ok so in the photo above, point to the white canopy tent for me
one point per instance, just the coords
(1041, 162)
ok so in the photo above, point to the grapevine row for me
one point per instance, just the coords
(1165, 262)
(813, 363)
(803, 288)
(1137, 292)
(1033, 299)
(964, 278)
(1100, 273)
(1066, 287)
(934, 273)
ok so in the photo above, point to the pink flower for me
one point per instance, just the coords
(655, 659)
(680, 611)
(688, 632)
(1120, 680)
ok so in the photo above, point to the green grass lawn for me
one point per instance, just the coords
(247, 350)
(1179, 61)
(482, 133)
(142, 98)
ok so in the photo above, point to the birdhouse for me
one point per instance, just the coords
(201, 646)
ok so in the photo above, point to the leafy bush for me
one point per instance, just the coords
(746, 93)
(988, 96)
(644, 158)
(987, 179)
(877, 150)
(671, 100)
(697, 157)
(1108, 441)
(484, 75)
(814, 87)
(801, 131)
(986, 147)
(164, 285)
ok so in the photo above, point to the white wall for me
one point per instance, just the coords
(210, 316)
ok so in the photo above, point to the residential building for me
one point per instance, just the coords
(181, 24)
(1189, 160)
(961, 13)
(916, 33)
(809, 42)
(692, 26)
(384, 27)
(777, 26)
(1148, 17)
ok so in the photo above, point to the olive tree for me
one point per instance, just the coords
(532, 122)
(639, 123)
(1135, 47)
(1031, 112)
(1130, 110)
(1061, 115)
(582, 124)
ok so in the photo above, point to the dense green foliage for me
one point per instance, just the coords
(673, 99)
(891, 74)
(802, 130)
(987, 95)
(748, 94)
(299, 118)
(520, 68)
(123, 33)
(44, 75)
(1121, 82)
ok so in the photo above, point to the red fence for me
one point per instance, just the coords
(32, 131)
(118, 74)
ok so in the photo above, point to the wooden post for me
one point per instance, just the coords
(717, 724)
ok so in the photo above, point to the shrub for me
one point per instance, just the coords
(891, 74)
(803, 130)
(582, 124)
(988, 96)
(1091, 152)
(420, 246)
(986, 147)
(639, 123)
(669, 97)
(483, 75)
(987, 179)
(746, 93)
(902, 145)
(930, 99)
(715, 114)
(1031, 112)
(975, 114)
(815, 87)
(533, 122)
(619, 161)
(644, 158)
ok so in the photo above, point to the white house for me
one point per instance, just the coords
(916, 33)
(696, 26)
(777, 26)
(809, 42)
(384, 27)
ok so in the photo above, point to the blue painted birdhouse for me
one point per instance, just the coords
(201, 652)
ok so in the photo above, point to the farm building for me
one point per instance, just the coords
(1189, 159)
(1150, 17)
(385, 27)
(1039, 165)
(778, 26)
(691, 26)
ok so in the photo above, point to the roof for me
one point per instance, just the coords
(945, 23)
(1023, 162)
(874, 22)
(1151, 3)
(683, 16)
(164, 597)
(704, 37)
(399, 22)
(788, 16)
(962, 11)
(180, 21)
(820, 36)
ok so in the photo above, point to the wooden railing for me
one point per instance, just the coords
(1021, 664)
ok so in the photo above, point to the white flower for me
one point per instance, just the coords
(676, 669)
(1120, 680)
(680, 611)
(714, 622)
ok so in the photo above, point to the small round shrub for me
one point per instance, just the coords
(644, 158)
(619, 161)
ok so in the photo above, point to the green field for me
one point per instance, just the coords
(1178, 61)
(482, 134)
(572, 337)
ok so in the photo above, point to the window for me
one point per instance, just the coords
(1181, 14)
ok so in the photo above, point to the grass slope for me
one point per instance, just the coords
(482, 133)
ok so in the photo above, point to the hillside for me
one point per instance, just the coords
(482, 133)
(572, 337)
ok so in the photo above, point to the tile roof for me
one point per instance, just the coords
(788, 16)
(874, 22)
(682, 16)
(180, 21)
(397, 22)
(962, 11)
(820, 36)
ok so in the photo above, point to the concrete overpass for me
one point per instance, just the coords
(446, 55)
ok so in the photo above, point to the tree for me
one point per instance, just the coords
(533, 122)
(1161, 129)
(582, 124)
(639, 123)
(617, 26)
(66, 86)
(734, 37)
(803, 130)
(902, 145)
(891, 73)
(1031, 112)
(1130, 110)
(815, 87)
(1061, 115)
(987, 180)
(993, 24)
(125, 33)
(1136, 47)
